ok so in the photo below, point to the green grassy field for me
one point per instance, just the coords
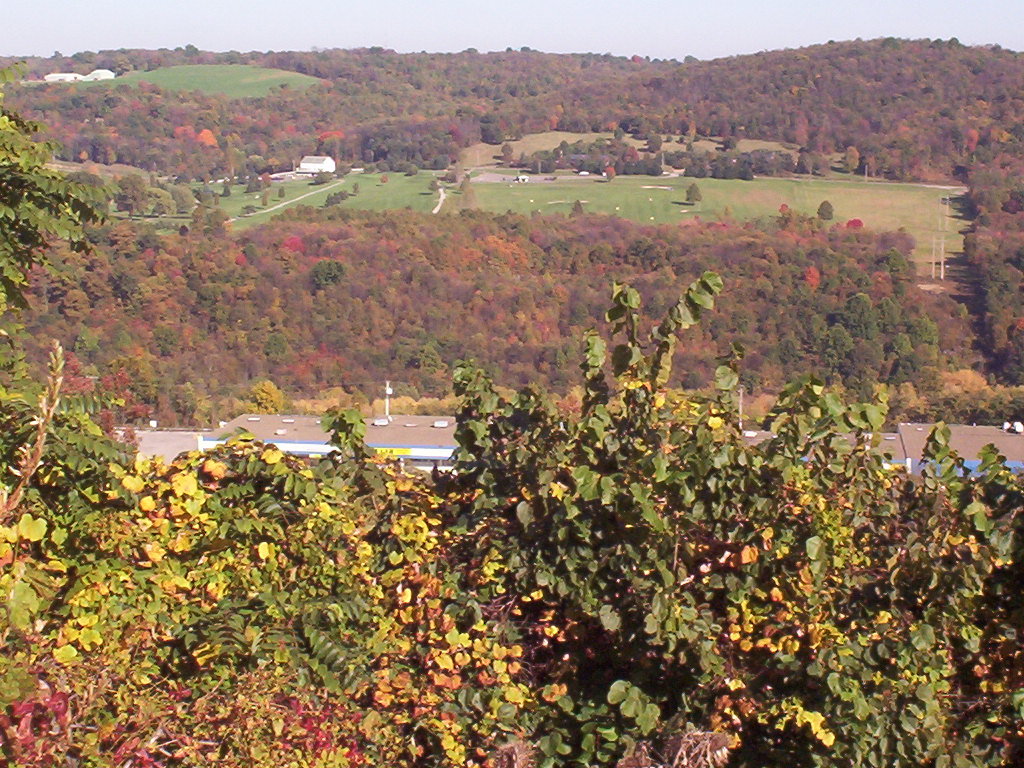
(237, 81)
(400, 191)
(646, 199)
(881, 206)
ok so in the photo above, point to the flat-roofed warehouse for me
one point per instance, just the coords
(423, 441)
(967, 441)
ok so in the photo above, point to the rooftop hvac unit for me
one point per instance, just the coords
(288, 421)
(381, 422)
(280, 431)
(253, 418)
(1018, 428)
(440, 424)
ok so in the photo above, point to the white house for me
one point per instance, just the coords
(63, 77)
(314, 164)
(99, 74)
(521, 179)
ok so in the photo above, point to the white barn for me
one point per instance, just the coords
(314, 164)
(63, 77)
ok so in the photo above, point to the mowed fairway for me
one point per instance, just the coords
(399, 192)
(881, 206)
(237, 81)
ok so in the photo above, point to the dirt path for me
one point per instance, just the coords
(440, 200)
(294, 200)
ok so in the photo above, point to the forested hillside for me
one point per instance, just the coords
(911, 109)
(901, 109)
(344, 298)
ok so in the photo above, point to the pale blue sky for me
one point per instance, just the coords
(656, 28)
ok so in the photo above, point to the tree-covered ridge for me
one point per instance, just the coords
(345, 298)
(912, 109)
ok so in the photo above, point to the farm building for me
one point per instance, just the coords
(63, 77)
(99, 74)
(420, 441)
(314, 164)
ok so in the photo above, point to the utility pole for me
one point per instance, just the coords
(933, 257)
(741, 409)
(942, 259)
(388, 391)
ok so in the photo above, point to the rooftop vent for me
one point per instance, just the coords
(253, 418)
(409, 424)
(1018, 428)
(280, 431)
(440, 424)
(749, 433)
(381, 422)
(288, 421)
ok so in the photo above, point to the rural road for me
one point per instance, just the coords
(440, 201)
(286, 203)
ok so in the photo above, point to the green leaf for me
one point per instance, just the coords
(524, 513)
(609, 618)
(617, 693)
(725, 378)
(923, 638)
(814, 547)
(980, 515)
(31, 528)
(648, 718)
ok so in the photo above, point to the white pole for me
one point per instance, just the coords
(387, 399)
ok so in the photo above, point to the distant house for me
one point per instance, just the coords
(521, 179)
(63, 77)
(99, 74)
(313, 164)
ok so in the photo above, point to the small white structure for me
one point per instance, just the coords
(520, 179)
(99, 74)
(314, 164)
(63, 77)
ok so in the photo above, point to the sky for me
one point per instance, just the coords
(666, 29)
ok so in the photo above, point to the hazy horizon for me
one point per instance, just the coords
(659, 28)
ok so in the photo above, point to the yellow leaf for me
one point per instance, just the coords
(444, 661)
(514, 695)
(147, 504)
(748, 555)
(65, 654)
(272, 456)
(263, 550)
(133, 483)
(215, 469)
(184, 484)
(715, 422)
(154, 551)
